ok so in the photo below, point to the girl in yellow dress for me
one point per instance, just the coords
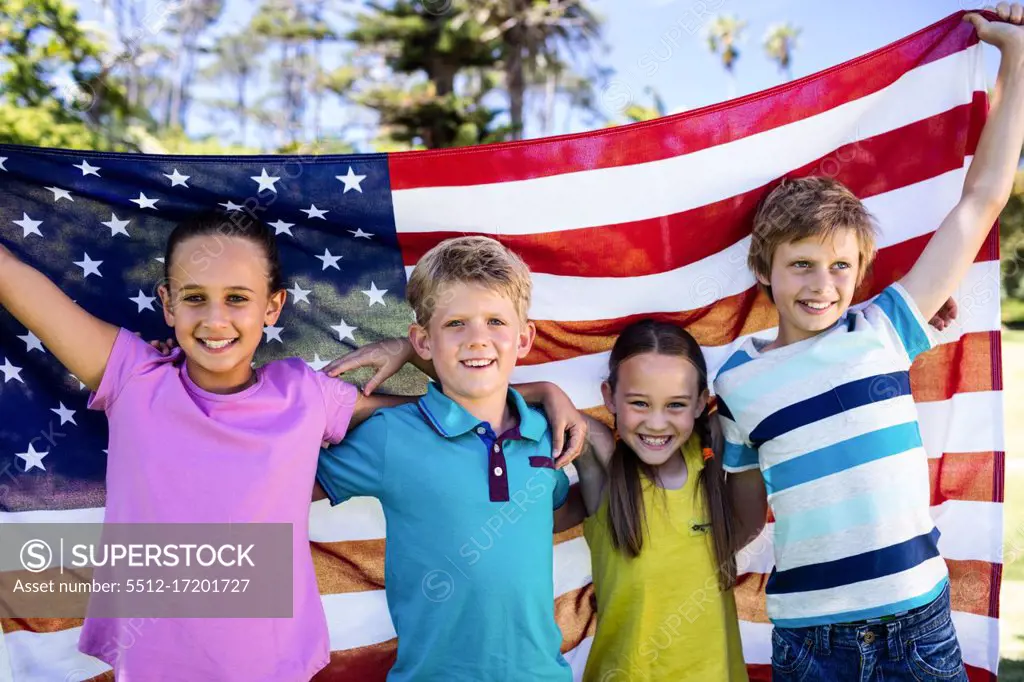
(659, 526)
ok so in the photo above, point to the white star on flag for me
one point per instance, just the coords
(351, 181)
(144, 302)
(344, 331)
(32, 343)
(265, 181)
(59, 194)
(117, 226)
(65, 414)
(177, 178)
(89, 266)
(314, 212)
(281, 227)
(376, 295)
(316, 364)
(231, 206)
(81, 386)
(329, 261)
(145, 202)
(11, 371)
(359, 234)
(87, 169)
(28, 225)
(2, 160)
(273, 333)
(33, 458)
(300, 295)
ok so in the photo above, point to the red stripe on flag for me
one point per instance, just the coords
(726, 319)
(963, 476)
(686, 132)
(971, 586)
(645, 247)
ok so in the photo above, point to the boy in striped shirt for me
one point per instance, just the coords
(822, 422)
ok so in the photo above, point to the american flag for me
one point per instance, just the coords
(647, 220)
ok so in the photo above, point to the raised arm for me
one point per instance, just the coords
(949, 254)
(79, 340)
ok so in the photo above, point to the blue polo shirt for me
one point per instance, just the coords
(469, 513)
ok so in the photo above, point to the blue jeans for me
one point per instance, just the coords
(919, 646)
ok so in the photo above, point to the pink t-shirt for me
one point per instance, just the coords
(179, 454)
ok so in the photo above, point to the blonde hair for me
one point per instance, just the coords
(809, 207)
(478, 260)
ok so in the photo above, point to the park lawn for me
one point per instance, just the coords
(1012, 601)
(1013, 511)
(1013, 312)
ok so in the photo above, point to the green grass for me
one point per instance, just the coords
(1013, 312)
(1012, 603)
(1013, 401)
(1011, 671)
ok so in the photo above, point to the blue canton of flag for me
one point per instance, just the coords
(97, 225)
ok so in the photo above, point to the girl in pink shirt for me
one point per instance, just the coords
(198, 435)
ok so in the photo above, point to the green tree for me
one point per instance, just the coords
(1011, 242)
(779, 42)
(295, 27)
(55, 87)
(237, 59)
(418, 102)
(537, 40)
(187, 25)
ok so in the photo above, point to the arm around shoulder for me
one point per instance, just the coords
(750, 504)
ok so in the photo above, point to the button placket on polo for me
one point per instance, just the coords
(497, 468)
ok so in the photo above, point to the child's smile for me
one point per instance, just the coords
(813, 282)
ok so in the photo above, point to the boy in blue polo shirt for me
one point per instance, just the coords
(822, 418)
(467, 482)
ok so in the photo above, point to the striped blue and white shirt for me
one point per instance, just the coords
(831, 423)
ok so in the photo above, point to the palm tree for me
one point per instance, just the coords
(536, 36)
(779, 43)
(723, 34)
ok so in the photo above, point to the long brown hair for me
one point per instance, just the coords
(626, 471)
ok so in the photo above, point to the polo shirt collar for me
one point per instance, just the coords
(451, 419)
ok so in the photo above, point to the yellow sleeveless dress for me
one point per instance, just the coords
(661, 615)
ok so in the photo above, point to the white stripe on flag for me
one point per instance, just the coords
(6, 673)
(902, 214)
(979, 639)
(651, 190)
(577, 658)
(357, 619)
(971, 531)
(360, 518)
(51, 656)
(967, 422)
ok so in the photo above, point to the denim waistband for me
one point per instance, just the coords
(889, 633)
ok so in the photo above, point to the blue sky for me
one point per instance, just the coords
(651, 36)
(660, 44)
